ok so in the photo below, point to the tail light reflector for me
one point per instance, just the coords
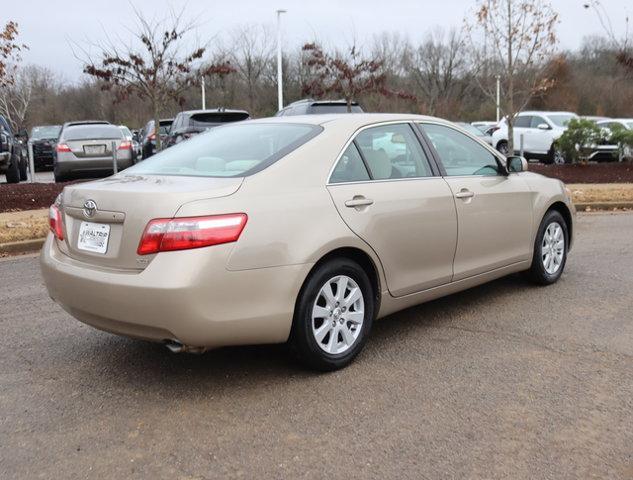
(168, 234)
(125, 145)
(55, 222)
(62, 147)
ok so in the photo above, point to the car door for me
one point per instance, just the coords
(522, 128)
(392, 197)
(540, 139)
(494, 210)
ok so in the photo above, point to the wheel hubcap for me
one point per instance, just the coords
(338, 314)
(553, 248)
(559, 159)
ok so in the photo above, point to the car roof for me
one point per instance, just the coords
(214, 110)
(350, 120)
(545, 112)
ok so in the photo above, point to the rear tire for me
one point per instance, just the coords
(550, 250)
(24, 170)
(333, 315)
(60, 177)
(13, 172)
(502, 148)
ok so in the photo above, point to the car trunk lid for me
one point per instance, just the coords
(121, 206)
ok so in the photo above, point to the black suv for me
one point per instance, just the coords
(43, 138)
(309, 106)
(12, 163)
(192, 122)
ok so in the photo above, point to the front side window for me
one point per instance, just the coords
(523, 121)
(536, 121)
(393, 151)
(562, 119)
(233, 150)
(350, 167)
(460, 154)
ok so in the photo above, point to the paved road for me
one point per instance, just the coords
(503, 381)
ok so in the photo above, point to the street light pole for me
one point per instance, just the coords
(204, 96)
(280, 93)
(498, 95)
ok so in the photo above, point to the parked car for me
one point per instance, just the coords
(13, 165)
(540, 130)
(86, 150)
(473, 130)
(148, 141)
(278, 230)
(136, 147)
(594, 118)
(192, 122)
(613, 151)
(309, 106)
(44, 138)
(484, 126)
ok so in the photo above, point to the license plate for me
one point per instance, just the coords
(94, 149)
(93, 237)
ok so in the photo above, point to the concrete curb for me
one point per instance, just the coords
(603, 205)
(23, 246)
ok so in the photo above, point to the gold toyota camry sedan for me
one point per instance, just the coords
(300, 230)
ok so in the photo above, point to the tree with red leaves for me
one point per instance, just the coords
(155, 69)
(9, 53)
(347, 75)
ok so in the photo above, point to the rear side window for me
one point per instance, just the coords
(350, 167)
(89, 132)
(523, 122)
(460, 154)
(232, 150)
(393, 151)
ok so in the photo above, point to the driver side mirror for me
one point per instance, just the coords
(543, 126)
(517, 164)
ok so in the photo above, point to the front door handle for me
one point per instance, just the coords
(359, 201)
(464, 193)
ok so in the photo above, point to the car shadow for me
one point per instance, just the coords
(134, 365)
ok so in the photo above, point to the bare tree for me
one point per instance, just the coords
(251, 54)
(154, 67)
(10, 51)
(346, 74)
(622, 44)
(439, 69)
(16, 97)
(518, 37)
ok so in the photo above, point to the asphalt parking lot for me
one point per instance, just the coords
(506, 380)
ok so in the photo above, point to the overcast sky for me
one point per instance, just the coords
(48, 27)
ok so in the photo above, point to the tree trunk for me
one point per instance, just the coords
(156, 109)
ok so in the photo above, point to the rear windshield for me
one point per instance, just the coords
(38, 133)
(90, 132)
(228, 151)
(211, 119)
(334, 108)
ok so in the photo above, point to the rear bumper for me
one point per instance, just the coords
(67, 167)
(187, 296)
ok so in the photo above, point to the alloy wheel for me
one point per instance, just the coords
(338, 314)
(553, 248)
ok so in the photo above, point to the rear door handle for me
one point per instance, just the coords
(358, 201)
(464, 194)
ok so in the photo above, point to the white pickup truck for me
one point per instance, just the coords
(540, 130)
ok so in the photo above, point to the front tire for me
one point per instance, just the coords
(502, 148)
(13, 172)
(556, 156)
(550, 249)
(333, 315)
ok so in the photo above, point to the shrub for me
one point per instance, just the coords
(623, 137)
(580, 138)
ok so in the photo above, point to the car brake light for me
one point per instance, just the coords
(152, 136)
(62, 147)
(125, 145)
(55, 222)
(168, 234)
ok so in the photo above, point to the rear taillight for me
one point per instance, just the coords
(152, 136)
(125, 145)
(55, 222)
(62, 147)
(168, 234)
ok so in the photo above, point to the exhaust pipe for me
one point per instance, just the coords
(175, 346)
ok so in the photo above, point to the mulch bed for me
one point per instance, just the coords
(612, 172)
(28, 196)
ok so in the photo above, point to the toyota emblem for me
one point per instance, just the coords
(90, 208)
